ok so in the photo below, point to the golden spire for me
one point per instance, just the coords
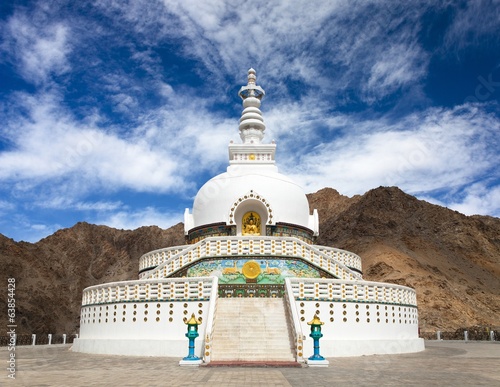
(315, 321)
(193, 321)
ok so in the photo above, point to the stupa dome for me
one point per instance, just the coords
(274, 196)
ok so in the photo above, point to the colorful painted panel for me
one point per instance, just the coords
(282, 230)
(256, 271)
(213, 230)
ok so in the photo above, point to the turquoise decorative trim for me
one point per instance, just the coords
(290, 230)
(213, 230)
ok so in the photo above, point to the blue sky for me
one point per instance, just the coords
(116, 112)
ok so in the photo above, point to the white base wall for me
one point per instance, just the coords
(357, 324)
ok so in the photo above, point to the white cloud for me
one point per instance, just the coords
(291, 40)
(37, 231)
(66, 203)
(51, 145)
(38, 47)
(149, 216)
(426, 151)
(477, 199)
(395, 67)
(171, 145)
(20, 227)
(6, 205)
(472, 22)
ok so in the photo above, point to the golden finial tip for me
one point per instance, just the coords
(315, 321)
(193, 321)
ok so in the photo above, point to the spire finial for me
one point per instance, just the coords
(251, 89)
(251, 76)
(251, 122)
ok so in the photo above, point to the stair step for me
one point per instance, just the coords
(249, 329)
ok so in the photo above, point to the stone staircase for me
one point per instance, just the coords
(253, 330)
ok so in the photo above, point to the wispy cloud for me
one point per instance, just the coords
(396, 67)
(473, 21)
(66, 203)
(50, 144)
(6, 206)
(476, 199)
(427, 151)
(292, 40)
(133, 219)
(479, 199)
(36, 46)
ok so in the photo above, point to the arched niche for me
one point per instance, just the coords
(246, 205)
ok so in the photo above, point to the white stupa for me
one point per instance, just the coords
(250, 276)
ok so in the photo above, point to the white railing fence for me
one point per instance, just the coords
(212, 310)
(295, 320)
(150, 289)
(241, 246)
(365, 291)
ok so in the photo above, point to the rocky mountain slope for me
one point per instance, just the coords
(453, 261)
(51, 274)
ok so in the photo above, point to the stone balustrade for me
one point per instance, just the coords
(195, 288)
(346, 257)
(157, 257)
(352, 291)
(293, 315)
(254, 246)
(212, 310)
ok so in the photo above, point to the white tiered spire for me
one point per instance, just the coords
(252, 124)
(252, 152)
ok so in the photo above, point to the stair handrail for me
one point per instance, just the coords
(212, 311)
(149, 256)
(348, 258)
(297, 328)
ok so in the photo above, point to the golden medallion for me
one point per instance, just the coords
(251, 269)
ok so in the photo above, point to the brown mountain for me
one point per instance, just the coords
(452, 260)
(51, 274)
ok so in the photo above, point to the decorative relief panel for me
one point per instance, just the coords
(253, 270)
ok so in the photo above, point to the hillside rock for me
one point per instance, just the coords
(51, 274)
(452, 260)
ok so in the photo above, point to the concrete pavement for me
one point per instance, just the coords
(443, 363)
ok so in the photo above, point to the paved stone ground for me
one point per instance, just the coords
(444, 363)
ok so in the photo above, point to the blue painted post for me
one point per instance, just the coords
(316, 334)
(192, 334)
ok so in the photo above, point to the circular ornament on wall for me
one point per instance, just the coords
(251, 269)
